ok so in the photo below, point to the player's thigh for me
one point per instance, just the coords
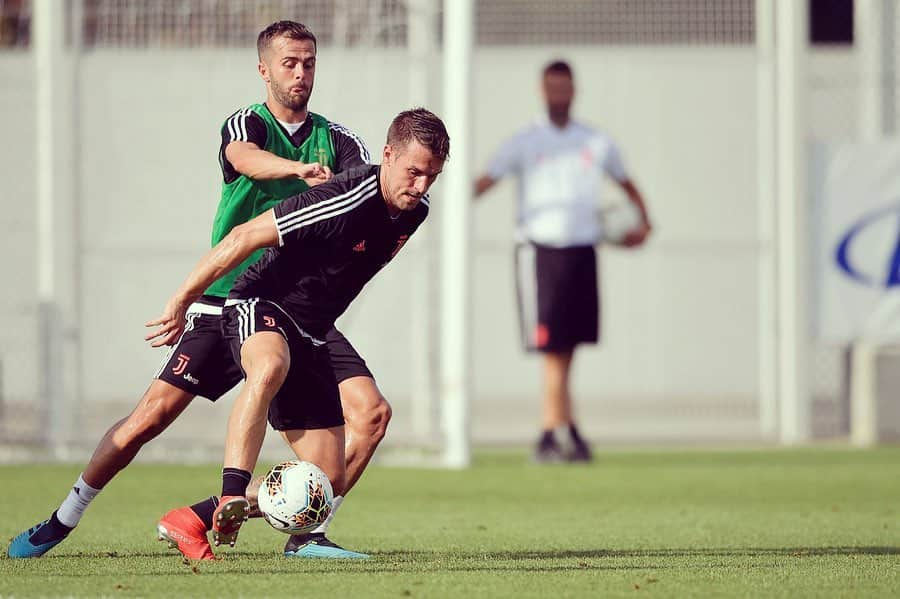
(323, 447)
(266, 358)
(362, 401)
(259, 340)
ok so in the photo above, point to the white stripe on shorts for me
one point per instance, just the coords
(242, 303)
(189, 326)
(526, 267)
(201, 308)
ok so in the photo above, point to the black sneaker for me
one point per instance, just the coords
(317, 545)
(579, 450)
(548, 450)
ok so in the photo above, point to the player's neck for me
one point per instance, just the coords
(392, 210)
(560, 119)
(286, 115)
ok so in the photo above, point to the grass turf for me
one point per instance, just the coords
(792, 523)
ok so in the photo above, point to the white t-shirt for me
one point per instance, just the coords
(291, 128)
(559, 176)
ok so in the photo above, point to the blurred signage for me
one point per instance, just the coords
(856, 227)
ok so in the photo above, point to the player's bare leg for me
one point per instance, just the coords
(160, 405)
(557, 412)
(266, 360)
(366, 415)
(557, 405)
(325, 448)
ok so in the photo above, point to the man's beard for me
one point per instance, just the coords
(287, 100)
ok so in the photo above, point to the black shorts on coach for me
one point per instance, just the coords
(308, 398)
(559, 304)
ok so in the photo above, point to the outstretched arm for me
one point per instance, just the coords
(236, 247)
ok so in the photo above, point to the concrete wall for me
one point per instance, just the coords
(679, 357)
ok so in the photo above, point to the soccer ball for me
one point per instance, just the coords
(295, 497)
(618, 220)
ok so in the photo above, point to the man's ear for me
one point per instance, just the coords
(263, 69)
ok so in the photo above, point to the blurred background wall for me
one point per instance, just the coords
(142, 91)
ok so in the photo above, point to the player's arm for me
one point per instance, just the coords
(639, 235)
(244, 134)
(507, 159)
(236, 247)
(250, 160)
(483, 183)
(613, 166)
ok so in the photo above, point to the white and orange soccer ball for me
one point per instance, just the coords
(295, 497)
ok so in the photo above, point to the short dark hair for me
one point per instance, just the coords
(560, 67)
(289, 29)
(422, 125)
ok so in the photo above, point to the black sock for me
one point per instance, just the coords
(205, 510)
(573, 432)
(548, 439)
(235, 481)
(51, 531)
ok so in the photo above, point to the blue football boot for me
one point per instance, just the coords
(316, 545)
(37, 540)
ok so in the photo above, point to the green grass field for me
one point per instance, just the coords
(794, 523)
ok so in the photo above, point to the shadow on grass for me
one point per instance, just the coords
(533, 554)
(469, 561)
(669, 553)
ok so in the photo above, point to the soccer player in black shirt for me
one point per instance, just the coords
(325, 245)
(268, 152)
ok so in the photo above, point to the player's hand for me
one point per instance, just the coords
(314, 173)
(637, 236)
(169, 325)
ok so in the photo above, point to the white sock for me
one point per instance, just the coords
(81, 495)
(335, 504)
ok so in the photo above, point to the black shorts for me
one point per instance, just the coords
(559, 305)
(345, 360)
(308, 398)
(202, 362)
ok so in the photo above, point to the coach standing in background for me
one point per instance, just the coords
(558, 163)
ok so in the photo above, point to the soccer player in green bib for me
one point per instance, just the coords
(269, 152)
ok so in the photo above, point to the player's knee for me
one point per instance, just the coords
(270, 372)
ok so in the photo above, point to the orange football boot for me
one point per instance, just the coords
(185, 531)
(232, 512)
